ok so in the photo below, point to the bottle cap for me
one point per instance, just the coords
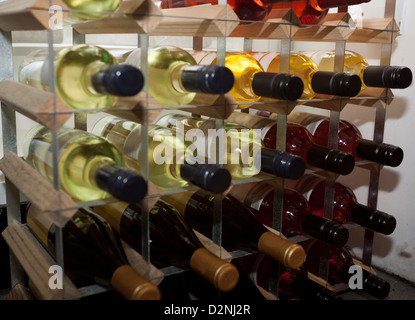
(336, 83)
(325, 230)
(119, 80)
(124, 184)
(280, 86)
(132, 285)
(386, 154)
(210, 177)
(373, 219)
(375, 286)
(282, 164)
(393, 77)
(330, 159)
(290, 254)
(212, 79)
(221, 274)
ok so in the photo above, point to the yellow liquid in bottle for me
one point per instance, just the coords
(74, 69)
(300, 65)
(353, 62)
(165, 152)
(93, 9)
(80, 157)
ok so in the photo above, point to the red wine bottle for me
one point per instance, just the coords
(292, 283)
(340, 261)
(173, 242)
(240, 229)
(245, 9)
(347, 209)
(349, 139)
(297, 216)
(299, 142)
(92, 250)
(313, 11)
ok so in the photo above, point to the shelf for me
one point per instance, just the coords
(382, 30)
(56, 204)
(133, 16)
(35, 104)
(36, 262)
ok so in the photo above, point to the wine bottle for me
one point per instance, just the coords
(311, 11)
(251, 81)
(202, 290)
(340, 261)
(86, 76)
(175, 77)
(246, 10)
(315, 81)
(173, 242)
(89, 167)
(240, 229)
(243, 154)
(297, 217)
(299, 141)
(293, 284)
(170, 159)
(86, 10)
(394, 77)
(349, 139)
(347, 209)
(92, 250)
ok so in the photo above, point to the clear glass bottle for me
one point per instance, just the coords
(315, 81)
(89, 167)
(175, 77)
(244, 155)
(394, 77)
(86, 76)
(251, 81)
(170, 158)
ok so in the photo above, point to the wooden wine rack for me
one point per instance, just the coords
(142, 17)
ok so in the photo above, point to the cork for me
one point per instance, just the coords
(133, 286)
(221, 274)
(291, 255)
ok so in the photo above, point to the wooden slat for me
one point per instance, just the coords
(27, 14)
(375, 30)
(335, 26)
(280, 24)
(133, 16)
(35, 104)
(36, 262)
(372, 97)
(198, 21)
(19, 292)
(38, 189)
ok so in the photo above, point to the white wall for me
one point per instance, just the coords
(395, 253)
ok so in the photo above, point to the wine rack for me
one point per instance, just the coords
(143, 18)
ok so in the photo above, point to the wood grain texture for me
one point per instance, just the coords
(36, 262)
(38, 189)
(37, 105)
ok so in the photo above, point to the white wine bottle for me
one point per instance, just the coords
(394, 77)
(251, 81)
(86, 76)
(315, 80)
(89, 167)
(243, 153)
(87, 10)
(91, 249)
(171, 161)
(175, 78)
